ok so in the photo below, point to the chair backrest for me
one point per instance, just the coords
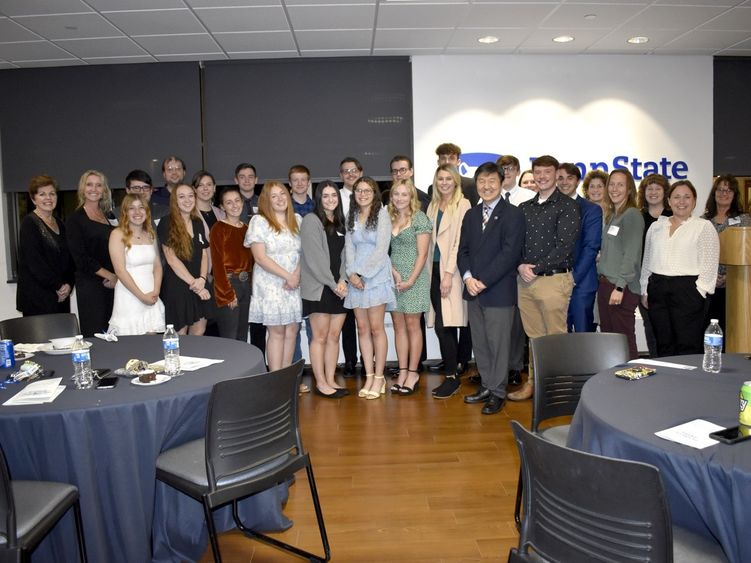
(7, 506)
(583, 507)
(252, 421)
(39, 328)
(562, 365)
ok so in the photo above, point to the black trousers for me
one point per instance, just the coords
(448, 340)
(676, 309)
(233, 323)
(349, 338)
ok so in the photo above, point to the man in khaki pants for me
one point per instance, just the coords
(545, 280)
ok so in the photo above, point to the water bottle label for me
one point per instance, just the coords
(713, 340)
(171, 344)
(81, 356)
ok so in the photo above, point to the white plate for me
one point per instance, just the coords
(61, 351)
(160, 378)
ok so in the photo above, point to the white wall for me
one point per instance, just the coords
(576, 108)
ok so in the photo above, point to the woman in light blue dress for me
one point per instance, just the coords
(274, 238)
(371, 290)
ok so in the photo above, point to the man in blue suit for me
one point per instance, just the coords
(581, 305)
(490, 250)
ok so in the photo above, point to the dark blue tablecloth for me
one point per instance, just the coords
(106, 442)
(710, 489)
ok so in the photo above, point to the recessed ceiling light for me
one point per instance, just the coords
(590, 17)
(638, 40)
(488, 39)
(563, 39)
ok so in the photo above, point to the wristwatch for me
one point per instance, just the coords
(619, 289)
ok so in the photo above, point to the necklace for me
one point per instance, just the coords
(49, 221)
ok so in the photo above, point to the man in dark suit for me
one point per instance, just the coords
(490, 249)
(581, 305)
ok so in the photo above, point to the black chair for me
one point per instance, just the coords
(563, 363)
(39, 328)
(583, 507)
(29, 510)
(252, 443)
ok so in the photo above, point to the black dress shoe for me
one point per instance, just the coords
(349, 370)
(493, 405)
(437, 368)
(514, 377)
(480, 397)
(475, 379)
(461, 368)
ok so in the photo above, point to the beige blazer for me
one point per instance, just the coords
(453, 307)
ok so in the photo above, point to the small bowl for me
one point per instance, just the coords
(63, 343)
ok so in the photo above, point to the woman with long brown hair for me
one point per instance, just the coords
(186, 250)
(274, 238)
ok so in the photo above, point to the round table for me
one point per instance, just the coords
(106, 443)
(708, 489)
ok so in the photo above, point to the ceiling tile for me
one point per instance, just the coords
(338, 53)
(735, 53)
(737, 19)
(237, 3)
(508, 39)
(398, 51)
(131, 5)
(506, 15)
(289, 3)
(29, 7)
(70, 26)
(120, 60)
(360, 16)
(673, 17)
(716, 3)
(334, 40)
(32, 50)
(10, 31)
(543, 39)
(412, 38)
(687, 52)
(156, 22)
(617, 40)
(269, 18)
(396, 16)
(703, 39)
(265, 55)
(256, 41)
(178, 44)
(6, 65)
(105, 47)
(200, 57)
(49, 62)
(605, 15)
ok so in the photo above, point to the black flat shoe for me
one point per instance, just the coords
(493, 405)
(337, 394)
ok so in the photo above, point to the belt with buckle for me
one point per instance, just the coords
(242, 276)
(555, 271)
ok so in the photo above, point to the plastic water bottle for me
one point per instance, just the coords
(83, 377)
(712, 348)
(171, 345)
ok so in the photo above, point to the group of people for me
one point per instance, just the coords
(492, 261)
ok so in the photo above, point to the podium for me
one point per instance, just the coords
(735, 253)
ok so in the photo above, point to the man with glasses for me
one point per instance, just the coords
(173, 171)
(402, 169)
(138, 182)
(246, 178)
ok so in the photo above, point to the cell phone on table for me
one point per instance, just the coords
(107, 382)
(731, 435)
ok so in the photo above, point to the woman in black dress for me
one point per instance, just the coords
(185, 248)
(88, 231)
(323, 284)
(45, 267)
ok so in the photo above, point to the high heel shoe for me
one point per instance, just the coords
(376, 394)
(404, 390)
(395, 387)
(363, 393)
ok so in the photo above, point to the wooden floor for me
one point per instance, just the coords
(401, 479)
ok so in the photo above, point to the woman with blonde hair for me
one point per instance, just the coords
(448, 309)
(410, 239)
(135, 257)
(186, 250)
(88, 231)
(619, 266)
(371, 285)
(274, 239)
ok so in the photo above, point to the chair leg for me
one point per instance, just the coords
(319, 512)
(79, 532)
(518, 502)
(212, 532)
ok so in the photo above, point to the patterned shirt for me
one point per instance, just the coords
(552, 230)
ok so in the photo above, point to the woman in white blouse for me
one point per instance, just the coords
(681, 255)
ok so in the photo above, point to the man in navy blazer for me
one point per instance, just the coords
(490, 250)
(581, 305)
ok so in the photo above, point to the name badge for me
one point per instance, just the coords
(613, 230)
(734, 221)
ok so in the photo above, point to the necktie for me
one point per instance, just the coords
(485, 216)
(507, 196)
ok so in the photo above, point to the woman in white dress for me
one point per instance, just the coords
(132, 245)
(274, 238)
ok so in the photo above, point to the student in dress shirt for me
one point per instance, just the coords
(679, 270)
(300, 189)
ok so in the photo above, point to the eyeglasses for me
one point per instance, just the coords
(397, 171)
(350, 171)
(724, 190)
(140, 189)
(174, 169)
(363, 191)
(508, 167)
